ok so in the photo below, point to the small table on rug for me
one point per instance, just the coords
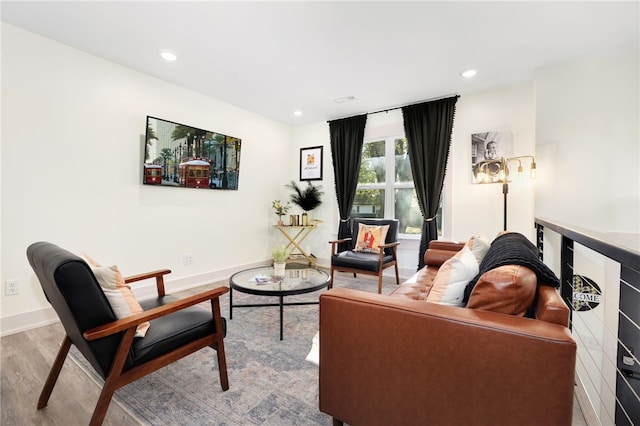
(261, 282)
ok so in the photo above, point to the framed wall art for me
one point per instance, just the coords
(311, 163)
(490, 147)
(177, 155)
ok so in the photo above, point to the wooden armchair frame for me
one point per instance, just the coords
(382, 266)
(117, 377)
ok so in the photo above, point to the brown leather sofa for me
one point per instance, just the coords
(399, 360)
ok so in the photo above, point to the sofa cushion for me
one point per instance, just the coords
(359, 260)
(514, 248)
(452, 278)
(508, 289)
(418, 286)
(174, 330)
(370, 237)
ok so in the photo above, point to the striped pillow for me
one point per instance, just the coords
(120, 297)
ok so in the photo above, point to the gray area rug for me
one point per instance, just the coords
(270, 381)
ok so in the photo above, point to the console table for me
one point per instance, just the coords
(296, 234)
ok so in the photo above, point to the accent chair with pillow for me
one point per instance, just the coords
(371, 250)
(121, 338)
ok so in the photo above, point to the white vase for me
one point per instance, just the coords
(278, 268)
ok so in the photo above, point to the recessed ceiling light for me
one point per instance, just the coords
(168, 56)
(297, 113)
(469, 73)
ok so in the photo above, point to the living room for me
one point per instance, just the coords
(73, 138)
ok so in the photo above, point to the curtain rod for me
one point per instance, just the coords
(415, 103)
(400, 107)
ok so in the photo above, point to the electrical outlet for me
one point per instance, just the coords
(187, 259)
(11, 287)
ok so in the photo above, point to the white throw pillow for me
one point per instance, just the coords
(452, 278)
(479, 245)
(118, 293)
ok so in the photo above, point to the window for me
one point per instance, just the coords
(385, 185)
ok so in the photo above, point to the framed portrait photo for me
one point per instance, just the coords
(311, 163)
(487, 148)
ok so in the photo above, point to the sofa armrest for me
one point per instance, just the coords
(445, 245)
(386, 360)
(440, 251)
(550, 307)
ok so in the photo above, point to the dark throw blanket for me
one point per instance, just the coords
(513, 249)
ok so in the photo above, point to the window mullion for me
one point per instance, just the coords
(370, 204)
(390, 165)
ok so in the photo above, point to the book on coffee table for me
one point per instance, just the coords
(266, 279)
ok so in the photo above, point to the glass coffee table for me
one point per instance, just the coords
(261, 282)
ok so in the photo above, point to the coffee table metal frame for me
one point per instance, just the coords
(268, 290)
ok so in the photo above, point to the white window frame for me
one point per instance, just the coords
(390, 170)
(390, 187)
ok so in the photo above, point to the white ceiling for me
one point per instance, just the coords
(276, 57)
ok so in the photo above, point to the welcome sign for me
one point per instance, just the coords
(586, 293)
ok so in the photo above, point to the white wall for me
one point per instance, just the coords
(478, 208)
(72, 145)
(587, 125)
(316, 134)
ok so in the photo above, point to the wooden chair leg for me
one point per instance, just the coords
(222, 366)
(219, 345)
(331, 278)
(54, 373)
(112, 382)
(102, 405)
(380, 282)
(397, 275)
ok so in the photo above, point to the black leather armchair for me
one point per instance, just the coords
(178, 328)
(366, 263)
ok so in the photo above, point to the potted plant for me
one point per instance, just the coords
(307, 199)
(280, 254)
(280, 209)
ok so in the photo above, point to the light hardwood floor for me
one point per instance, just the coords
(25, 361)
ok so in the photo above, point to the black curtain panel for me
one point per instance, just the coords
(347, 136)
(427, 127)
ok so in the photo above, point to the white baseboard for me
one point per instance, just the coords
(144, 289)
(27, 320)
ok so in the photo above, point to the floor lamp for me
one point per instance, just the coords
(494, 171)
